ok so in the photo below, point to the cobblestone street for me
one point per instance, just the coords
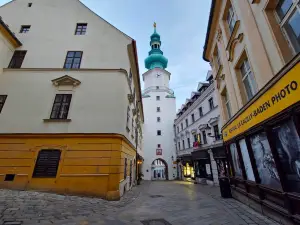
(175, 202)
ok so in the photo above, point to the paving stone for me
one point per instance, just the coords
(181, 203)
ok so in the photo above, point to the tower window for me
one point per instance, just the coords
(158, 119)
(29, 4)
(159, 132)
(157, 98)
(158, 109)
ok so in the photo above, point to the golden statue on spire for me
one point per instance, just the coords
(154, 25)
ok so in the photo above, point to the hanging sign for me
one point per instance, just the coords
(158, 151)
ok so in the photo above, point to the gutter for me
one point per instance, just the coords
(138, 73)
(211, 15)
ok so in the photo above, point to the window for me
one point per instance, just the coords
(231, 19)
(25, 28)
(178, 145)
(195, 138)
(211, 103)
(29, 4)
(289, 15)
(193, 118)
(125, 168)
(2, 101)
(73, 60)
(204, 137)
(186, 122)
(130, 76)
(200, 112)
(177, 129)
(9, 177)
(17, 59)
(216, 132)
(159, 132)
(81, 29)
(227, 104)
(183, 146)
(158, 145)
(157, 109)
(61, 106)
(248, 79)
(157, 87)
(157, 98)
(189, 142)
(158, 119)
(181, 126)
(47, 163)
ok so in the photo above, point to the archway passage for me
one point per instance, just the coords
(159, 170)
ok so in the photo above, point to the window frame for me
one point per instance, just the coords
(12, 63)
(35, 175)
(233, 18)
(284, 20)
(200, 109)
(211, 103)
(61, 106)
(247, 76)
(25, 29)
(82, 30)
(204, 137)
(64, 67)
(2, 102)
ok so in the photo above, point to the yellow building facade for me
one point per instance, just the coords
(253, 48)
(89, 164)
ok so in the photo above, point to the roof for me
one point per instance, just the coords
(209, 75)
(11, 35)
(211, 15)
(201, 84)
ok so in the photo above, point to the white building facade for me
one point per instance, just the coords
(160, 111)
(197, 136)
(72, 88)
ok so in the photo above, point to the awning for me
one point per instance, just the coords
(219, 152)
(201, 154)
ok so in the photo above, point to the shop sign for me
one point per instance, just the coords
(281, 95)
(158, 151)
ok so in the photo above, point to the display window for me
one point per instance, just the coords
(264, 160)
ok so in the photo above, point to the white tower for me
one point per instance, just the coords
(160, 111)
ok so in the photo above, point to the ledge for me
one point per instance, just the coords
(57, 120)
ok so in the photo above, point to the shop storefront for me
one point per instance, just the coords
(263, 147)
(187, 168)
(203, 168)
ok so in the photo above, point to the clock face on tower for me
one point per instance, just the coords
(158, 75)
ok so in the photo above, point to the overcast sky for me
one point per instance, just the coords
(182, 26)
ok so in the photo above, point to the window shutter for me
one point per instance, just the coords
(47, 163)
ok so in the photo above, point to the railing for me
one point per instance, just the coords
(158, 89)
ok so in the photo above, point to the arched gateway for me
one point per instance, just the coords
(159, 170)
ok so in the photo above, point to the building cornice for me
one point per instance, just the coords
(196, 103)
(9, 34)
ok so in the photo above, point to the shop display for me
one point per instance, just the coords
(264, 161)
(235, 160)
(246, 160)
(288, 147)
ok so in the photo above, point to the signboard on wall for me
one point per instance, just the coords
(281, 95)
(158, 151)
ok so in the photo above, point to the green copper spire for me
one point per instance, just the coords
(155, 58)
